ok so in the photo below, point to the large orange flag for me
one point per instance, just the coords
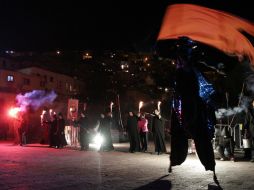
(215, 28)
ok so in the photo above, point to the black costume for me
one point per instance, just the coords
(159, 134)
(61, 141)
(132, 129)
(104, 129)
(84, 133)
(225, 142)
(53, 132)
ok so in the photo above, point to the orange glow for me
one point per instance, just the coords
(212, 27)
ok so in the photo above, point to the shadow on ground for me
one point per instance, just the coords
(157, 184)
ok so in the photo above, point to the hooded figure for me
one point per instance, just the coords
(105, 130)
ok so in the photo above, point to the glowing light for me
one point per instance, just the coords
(87, 56)
(72, 109)
(98, 140)
(13, 112)
(159, 106)
(111, 106)
(140, 105)
(205, 89)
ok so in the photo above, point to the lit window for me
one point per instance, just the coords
(10, 78)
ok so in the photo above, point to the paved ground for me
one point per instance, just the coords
(39, 167)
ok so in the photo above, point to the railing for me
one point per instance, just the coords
(235, 132)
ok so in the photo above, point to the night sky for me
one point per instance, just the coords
(78, 25)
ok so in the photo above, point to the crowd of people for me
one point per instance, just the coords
(53, 126)
(137, 130)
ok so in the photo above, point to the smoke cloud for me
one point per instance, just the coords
(35, 99)
(245, 100)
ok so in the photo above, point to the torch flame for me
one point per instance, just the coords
(140, 105)
(111, 106)
(159, 105)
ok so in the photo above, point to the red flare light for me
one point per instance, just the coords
(13, 112)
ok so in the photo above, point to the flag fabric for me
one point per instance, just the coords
(212, 27)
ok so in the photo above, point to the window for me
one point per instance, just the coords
(59, 84)
(51, 79)
(42, 84)
(4, 64)
(10, 78)
(67, 86)
(26, 81)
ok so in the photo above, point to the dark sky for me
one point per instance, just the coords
(104, 24)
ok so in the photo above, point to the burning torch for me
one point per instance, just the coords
(111, 106)
(140, 106)
(159, 106)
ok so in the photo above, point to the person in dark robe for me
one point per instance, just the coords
(84, 131)
(60, 131)
(192, 110)
(225, 142)
(132, 129)
(105, 131)
(53, 132)
(158, 133)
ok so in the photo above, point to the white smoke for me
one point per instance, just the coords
(35, 99)
(244, 100)
(222, 112)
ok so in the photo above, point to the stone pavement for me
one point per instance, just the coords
(37, 167)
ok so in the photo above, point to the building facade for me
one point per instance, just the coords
(22, 81)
